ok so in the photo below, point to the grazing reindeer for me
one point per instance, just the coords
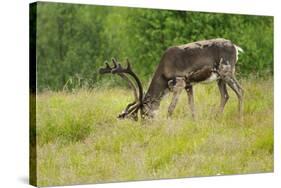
(180, 68)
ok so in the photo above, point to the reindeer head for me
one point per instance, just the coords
(131, 111)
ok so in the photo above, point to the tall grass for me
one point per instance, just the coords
(81, 141)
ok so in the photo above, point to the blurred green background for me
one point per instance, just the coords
(73, 41)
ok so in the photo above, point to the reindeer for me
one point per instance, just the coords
(180, 68)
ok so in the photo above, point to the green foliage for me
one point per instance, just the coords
(80, 139)
(73, 41)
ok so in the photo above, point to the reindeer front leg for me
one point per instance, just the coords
(173, 104)
(189, 90)
(226, 72)
(224, 94)
(176, 85)
(236, 87)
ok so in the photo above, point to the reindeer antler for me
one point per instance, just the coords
(106, 69)
(117, 68)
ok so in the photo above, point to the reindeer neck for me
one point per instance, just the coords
(155, 92)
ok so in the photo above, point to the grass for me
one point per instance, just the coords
(79, 139)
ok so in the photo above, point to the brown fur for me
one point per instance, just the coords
(196, 62)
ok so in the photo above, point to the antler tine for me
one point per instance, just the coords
(118, 69)
(130, 111)
(106, 69)
(114, 63)
(129, 69)
(107, 65)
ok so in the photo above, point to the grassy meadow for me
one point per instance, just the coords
(79, 139)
